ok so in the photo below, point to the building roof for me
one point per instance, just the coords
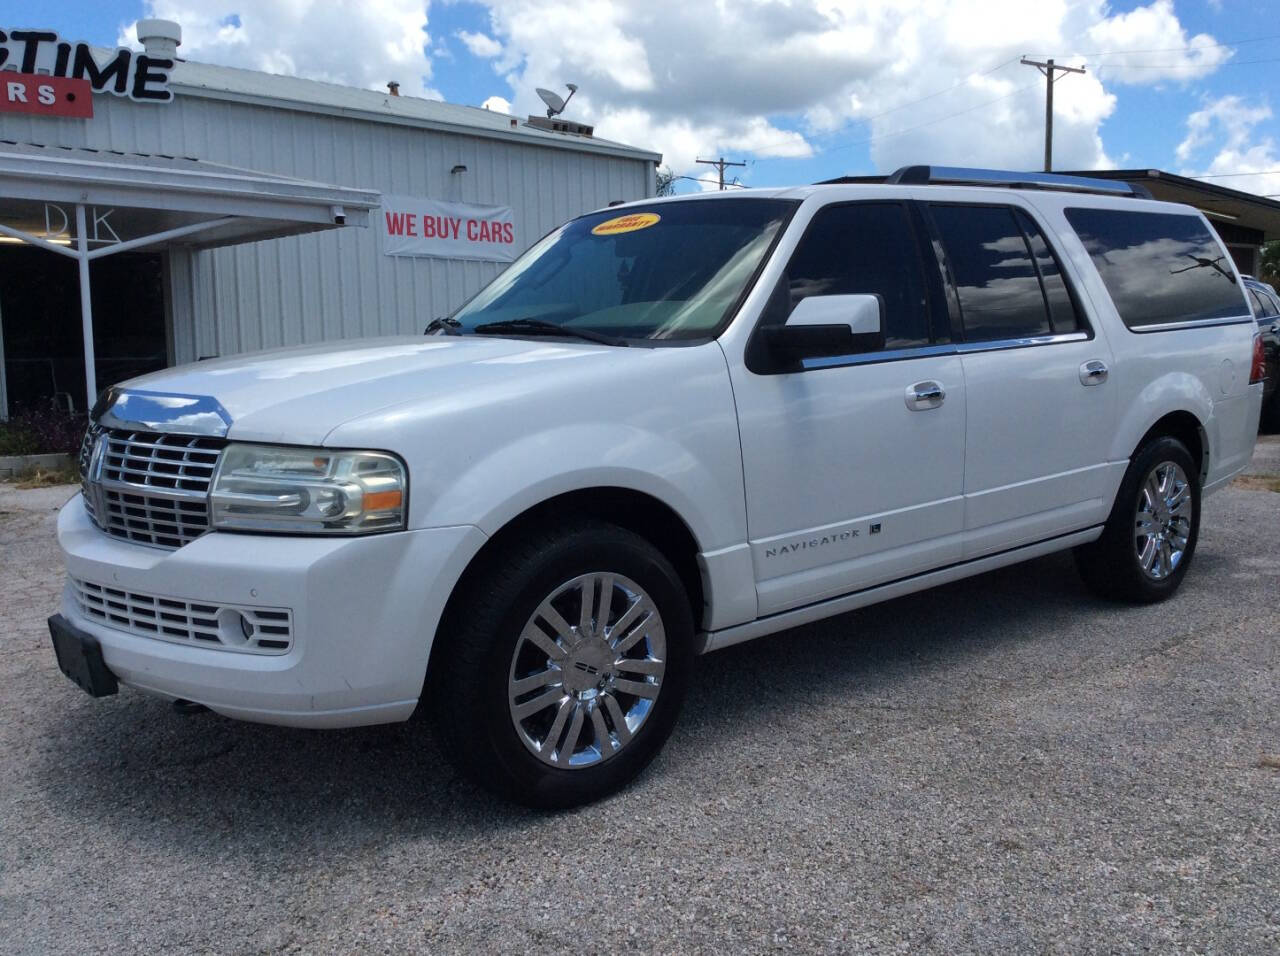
(1228, 208)
(190, 78)
(1220, 203)
(155, 193)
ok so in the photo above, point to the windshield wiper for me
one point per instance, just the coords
(541, 327)
(445, 326)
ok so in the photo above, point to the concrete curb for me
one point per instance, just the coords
(12, 466)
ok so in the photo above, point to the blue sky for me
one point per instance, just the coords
(1144, 127)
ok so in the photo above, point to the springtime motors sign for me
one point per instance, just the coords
(447, 230)
(44, 57)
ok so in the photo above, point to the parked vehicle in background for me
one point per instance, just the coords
(667, 428)
(1265, 302)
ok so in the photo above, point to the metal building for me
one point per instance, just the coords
(206, 293)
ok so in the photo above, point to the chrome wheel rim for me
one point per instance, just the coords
(1162, 523)
(579, 692)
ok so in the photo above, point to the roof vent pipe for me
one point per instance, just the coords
(160, 38)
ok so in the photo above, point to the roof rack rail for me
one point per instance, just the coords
(960, 176)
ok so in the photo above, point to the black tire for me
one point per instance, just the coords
(469, 685)
(1111, 566)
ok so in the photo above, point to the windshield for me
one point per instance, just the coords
(661, 272)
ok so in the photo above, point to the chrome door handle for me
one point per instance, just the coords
(925, 395)
(1093, 372)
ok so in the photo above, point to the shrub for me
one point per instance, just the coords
(41, 430)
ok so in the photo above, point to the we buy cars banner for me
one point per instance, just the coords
(447, 230)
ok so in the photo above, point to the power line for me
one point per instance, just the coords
(1261, 172)
(788, 144)
(695, 179)
(1180, 66)
(791, 143)
(941, 119)
(932, 122)
(1188, 48)
(902, 106)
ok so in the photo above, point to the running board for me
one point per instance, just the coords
(715, 640)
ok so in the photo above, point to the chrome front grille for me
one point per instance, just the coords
(149, 487)
(250, 630)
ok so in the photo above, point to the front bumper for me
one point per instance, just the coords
(364, 614)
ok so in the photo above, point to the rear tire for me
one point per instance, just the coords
(1150, 537)
(549, 704)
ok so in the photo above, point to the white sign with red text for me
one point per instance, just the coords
(447, 230)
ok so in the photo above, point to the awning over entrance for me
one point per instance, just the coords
(85, 204)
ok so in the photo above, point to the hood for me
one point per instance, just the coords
(300, 395)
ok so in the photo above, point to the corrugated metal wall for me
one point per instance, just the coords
(336, 284)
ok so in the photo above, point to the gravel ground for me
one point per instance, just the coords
(1001, 764)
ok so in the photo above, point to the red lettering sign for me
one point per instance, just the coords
(416, 226)
(45, 95)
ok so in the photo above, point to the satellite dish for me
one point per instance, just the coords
(556, 105)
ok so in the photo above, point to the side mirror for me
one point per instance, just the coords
(825, 325)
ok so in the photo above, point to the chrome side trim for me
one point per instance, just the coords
(998, 345)
(161, 412)
(954, 348)
(708, 641)
(870, 358)
(1191, 324)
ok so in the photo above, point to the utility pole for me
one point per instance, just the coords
(1048, 68)
(720, 165)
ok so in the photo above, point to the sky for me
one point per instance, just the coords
(799, 90)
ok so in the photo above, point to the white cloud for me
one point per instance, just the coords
(480, 44)
(497, 103)
(380, 40)
(1149, 45)
(1221, 138)
(910, 81)
(687, 79)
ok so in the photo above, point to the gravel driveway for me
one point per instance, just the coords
(1004, 763)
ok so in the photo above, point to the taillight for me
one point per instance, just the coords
(1259, 370)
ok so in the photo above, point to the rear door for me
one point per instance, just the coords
(853, 476)
(1040, 405)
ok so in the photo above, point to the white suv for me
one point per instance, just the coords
(669, 427)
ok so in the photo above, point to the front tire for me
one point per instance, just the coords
(1151, 534)
(564, 666)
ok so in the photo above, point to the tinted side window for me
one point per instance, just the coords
(995, 276)
(865, 248)
(1159, 267)
(1062, 311)
(1268, 304)
(1255, 302)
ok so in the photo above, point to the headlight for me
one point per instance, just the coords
(308, 490)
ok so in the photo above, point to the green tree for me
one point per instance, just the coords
(666, 181)
(1269, 271)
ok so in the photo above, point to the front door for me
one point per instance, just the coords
(854, 467)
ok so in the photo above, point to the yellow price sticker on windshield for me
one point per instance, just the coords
(628, 223)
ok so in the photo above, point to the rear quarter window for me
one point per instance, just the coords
(1160, 268)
